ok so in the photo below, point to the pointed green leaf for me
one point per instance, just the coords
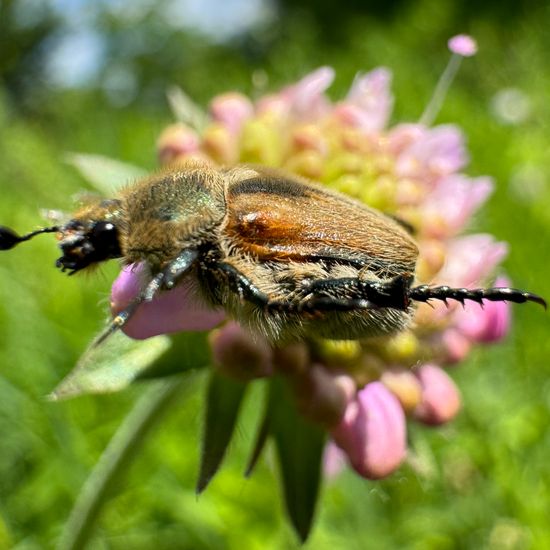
(223, 401)
(299, 450)
(111, 366)
(185, 109)
(188, 350)
(105, 174)
(259, 444)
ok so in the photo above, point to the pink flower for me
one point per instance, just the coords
(334, 460)
(471, 259)
(177, 141)
(462, 44)
(306, 98)
(372, 432)
(457, 346)
(438, 152)
(240, 354)
(449, 206)
(369, 102)
(440, 397)
(172, 311)
(231, 110)
(488, 324)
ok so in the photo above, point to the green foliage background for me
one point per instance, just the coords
(481, 482)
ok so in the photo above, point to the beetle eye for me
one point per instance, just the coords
(103, 231)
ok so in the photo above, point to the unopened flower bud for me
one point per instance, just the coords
(309, 164)
(291, 359)
(456, 346)
(231, 110)
(440, 397)
(261, 143)
(462, 44)
(372, 432)
(321, 395)
(404, 385)
(177, 142)
(488, 324)
(220, 144)
(240, 355)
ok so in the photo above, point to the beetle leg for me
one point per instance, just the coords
(348, 293)
(167, 278)
(243, 285)
(424, 293)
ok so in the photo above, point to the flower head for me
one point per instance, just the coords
(360, 392)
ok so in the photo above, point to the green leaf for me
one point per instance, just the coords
(300, 447)
(185, 109)
(188, 350)
(259, 444)
(223, 401)
(105, 174)
(111, 366)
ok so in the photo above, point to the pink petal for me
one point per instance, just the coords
(448, 208)
(172, 311)
(334, 460)
(177, 141)
(471, 259)
(462, 44)
(440, 151)
(440, 396)
(231, 110)
(488, 324)
(321, 395)
(457, 346)
(306, 97)
(369, 102)
(373, 432)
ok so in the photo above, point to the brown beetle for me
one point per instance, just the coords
(283, 256)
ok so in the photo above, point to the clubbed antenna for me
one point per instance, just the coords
(9, 238)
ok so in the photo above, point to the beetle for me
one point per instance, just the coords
(282, 255)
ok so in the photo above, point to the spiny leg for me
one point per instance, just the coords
(424, 293)
(166, 279)
(359, 293)
(353, 293)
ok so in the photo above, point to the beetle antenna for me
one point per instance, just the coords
(9, 238)
(424, 293)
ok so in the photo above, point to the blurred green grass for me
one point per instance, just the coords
(481, 482)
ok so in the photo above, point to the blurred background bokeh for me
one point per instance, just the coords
(91, 76)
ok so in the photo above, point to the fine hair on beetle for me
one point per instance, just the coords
(283, 256)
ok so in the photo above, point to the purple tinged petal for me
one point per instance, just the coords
(231, 110)
(176, 142)
(471, 259)
(462, 44)
(488, 324)
(438, 152)
(369, 101)
(456, 345)
(306, 98)
(402, 136)
(334, 460)
(372, 432)
(440, 396)
(448, 208)
(175, 310)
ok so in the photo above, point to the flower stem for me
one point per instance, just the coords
(441, 89)
(114, 461)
